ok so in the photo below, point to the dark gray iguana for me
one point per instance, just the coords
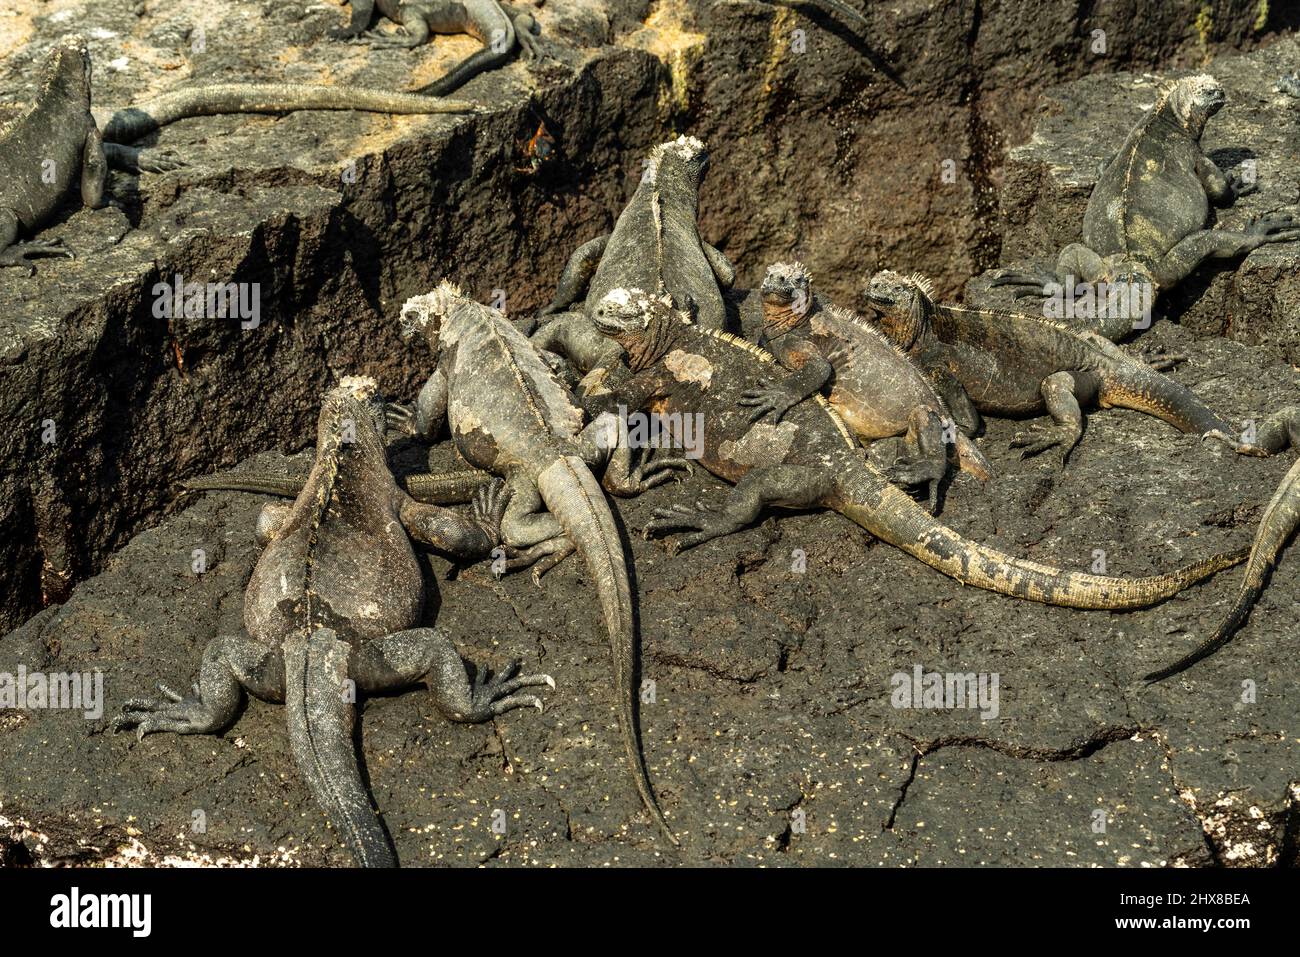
(655, 245)
(810, 460)
(509, 415)
(1006, 364)
(500, 28)
(1145, 225)
(873, 386)
(58, 144)
(338, 596)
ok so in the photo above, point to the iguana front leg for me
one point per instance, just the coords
(601, 444)
(1221, 188)
(928, 456)
(129, 159)
(1190, 252)
(577, 274)
(425, 419)
(1063, 406)
(810, 374)
(230, 664)
(793, 486)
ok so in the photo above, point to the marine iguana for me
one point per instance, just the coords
(876, 389)
(1015, 365)
(1281, 518)
(811, 460)
(56, 143)
(500, 28)
(338, 596)
(509, 415)
(1145, 224)
(655, 245)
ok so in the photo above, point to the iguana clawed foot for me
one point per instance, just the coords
(919, 473)
(541, 558)
(649, 472)
(490, 507)
(399, 418)
(1156, 358)
(495, 695)
(1037, 439)
(159, 161)
(19, 253)
(765, 399)
(527, 30)
(178, 714)
(702, 521)
(1280, 228)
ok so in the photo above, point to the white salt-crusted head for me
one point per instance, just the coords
(785, 281)
(426, 313)
(685, 151)
(361, 387)
(1194, 99)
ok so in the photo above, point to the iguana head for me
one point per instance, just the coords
(426, 314)
(1193, 100)
(639, 322)
(351, 416)
(903, 305)
(681, 161)
(68, 66)
(787, 296)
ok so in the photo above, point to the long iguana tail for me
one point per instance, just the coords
(1148, 391)
(435, 488)
(132, 122)
(320, 732)
(891, 515)
(1278, 524)
(574, 497)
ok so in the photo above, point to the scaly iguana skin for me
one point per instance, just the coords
(810, 460)
(498, 27)
(509, 415)
(1147, 216)
(338, 595)
(655, 245)
(1281, 518)
(876, 389)
(1015, 365)
(54, 144)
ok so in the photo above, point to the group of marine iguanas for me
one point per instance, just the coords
(640, 322)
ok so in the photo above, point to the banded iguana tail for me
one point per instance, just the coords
(810, 460)
(1281, 518)
(500, 28)
(1014, 365)
(338, 597)
(1145, 225)
(655, 245)
(55, 143)
(874, 387)
(509, 415)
